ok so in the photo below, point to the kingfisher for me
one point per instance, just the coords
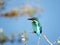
(37, 28)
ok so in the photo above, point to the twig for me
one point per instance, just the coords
(46, 39)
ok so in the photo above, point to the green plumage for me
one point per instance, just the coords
(37, 26)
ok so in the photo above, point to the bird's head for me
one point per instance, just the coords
(34, 19)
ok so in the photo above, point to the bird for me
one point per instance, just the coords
(37, 28)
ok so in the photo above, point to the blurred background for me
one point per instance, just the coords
(50, 21)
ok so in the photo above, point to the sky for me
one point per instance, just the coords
(50, 20)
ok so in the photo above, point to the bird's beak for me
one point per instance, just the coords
(30, 19)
